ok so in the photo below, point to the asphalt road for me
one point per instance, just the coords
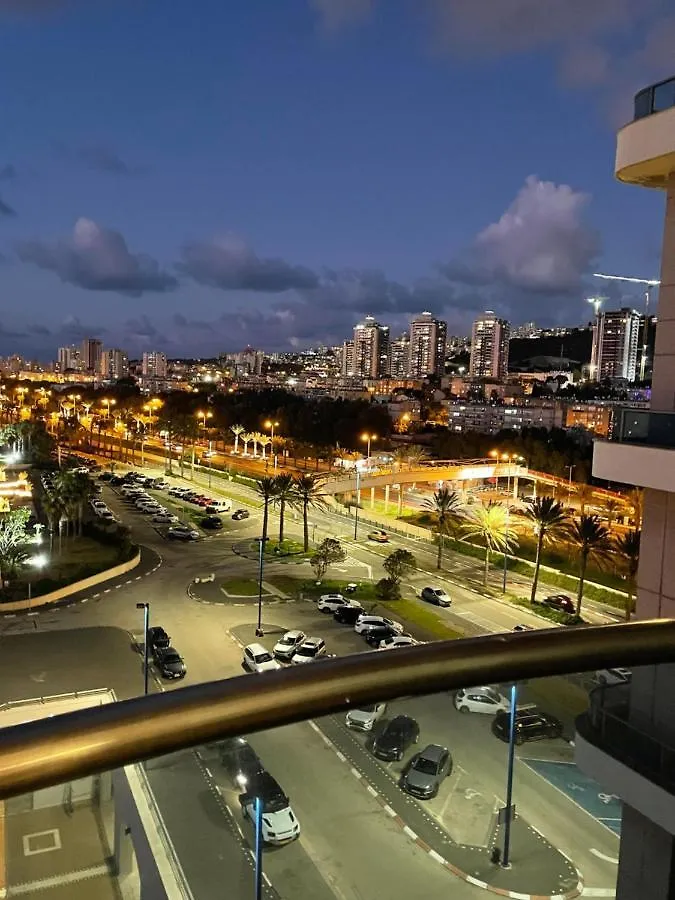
(338, 816)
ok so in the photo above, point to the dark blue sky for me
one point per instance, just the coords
(199, 176)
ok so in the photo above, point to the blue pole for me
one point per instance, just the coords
(261, 545)
(356, 508)
(509, 776)
(258, 848)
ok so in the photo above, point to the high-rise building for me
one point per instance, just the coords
(114, 364)
(154, 365)
(399, 357)
(427, 346)
(347, 359)
(371, 349)
(631, 758)
(91, 354)
(69, 359)
(614, 354)
(490, 347)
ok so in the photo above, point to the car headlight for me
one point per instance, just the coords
(241, 781)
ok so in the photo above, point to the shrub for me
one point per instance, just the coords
(387, 589)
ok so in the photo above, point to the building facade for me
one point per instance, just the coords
(371, 349)
(91, 355)
(70, 359)
(347, 359)
(427, 346)
(114, 364)
(399, 357)
(490, 347)
(154, 365)
(616, 337)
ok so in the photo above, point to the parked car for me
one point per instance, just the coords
(328, 603)
(159, 484)
(426, 771)
(241, 762)
(378, 535)
(105, 476)
(365, 623)
(613, 676)
(397, 640)
(365, 717)
(561, 602)
(522, 627)
(481, 700)
(182, 533)
(437, 596)
(258, 659)
(169, 662)
(212, 523)
(530, 725)
(374, 636)
(286, 646)
(309, 650)
(219, 506)
(279, 824)
(348, 613)
(157, 637)
(240, 514)
(164, 518)
(178, 491)
(395, 738)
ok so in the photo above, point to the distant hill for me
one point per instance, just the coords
(574, 348)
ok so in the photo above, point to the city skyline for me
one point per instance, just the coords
(200, 199)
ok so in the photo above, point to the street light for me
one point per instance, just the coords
(356, 508)
(508, 809)
(108, 403)
(39, 562)
(368, 437)
(146, 627)
(261, 562)
(271, 425)
(204, 416)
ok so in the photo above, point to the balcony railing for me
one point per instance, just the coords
(51, 751)
(655, 98)
(642, 426)
(607, 725)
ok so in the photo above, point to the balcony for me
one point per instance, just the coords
(639, 451)
(627, 761)
(645, 151)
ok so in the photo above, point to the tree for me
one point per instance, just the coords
(628, 545)
(265, 487)
(329, 552)
(550, 520)
(284, 493)
(246, 438)
(636, 499)
(398, 564)
(308, 494)
(592, 541)
(236, 431)
(611, 508)
(387, 589)
(489, 524)
(13, 540)
(76, 490)
(584, 494)
(449, 511)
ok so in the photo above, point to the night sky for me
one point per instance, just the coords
(198, 176)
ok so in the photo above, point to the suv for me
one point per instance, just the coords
(286, 646)
(348, 613)
(157, 638)
(365, 623)
(437, 596)
(395, 738)
(374, 636)
(365, 717)
(328, 603)
(561, 602)
(309, 650)
(426, 771)
(240, 760)
(279, 825)
(531, 725)
(257, 659)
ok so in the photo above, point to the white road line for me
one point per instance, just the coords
(410, 833)
(208, 771)
(371, 791)
(341, 756)
(356, 773)
(598, 892)
(437, 857)
(609, 859)
(107, 590)
(389, 811)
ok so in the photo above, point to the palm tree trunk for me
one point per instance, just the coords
(537, 564)
(266, 511)
(582, 576)
(305, 523)
(439, 557)
(282, 510)
(629, 603)
(487, 567)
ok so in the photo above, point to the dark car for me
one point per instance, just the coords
(531, 725)
(347, 614)
(105, 476)
(395, 738)
(379, 633)
(240, 514)
(117, 480)
(561, 602)
(213, 523)
(241, 762)
(169, 662)
(426, 771)
(158, 638)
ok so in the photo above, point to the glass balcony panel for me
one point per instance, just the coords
(664, 96)
(640, 426)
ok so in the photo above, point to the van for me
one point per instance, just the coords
(219, 506)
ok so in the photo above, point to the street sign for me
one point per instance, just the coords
(506, 813)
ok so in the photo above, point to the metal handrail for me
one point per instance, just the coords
(51, 751)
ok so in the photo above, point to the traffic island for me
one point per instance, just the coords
(237, 591)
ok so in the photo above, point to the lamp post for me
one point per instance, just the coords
(270, 425)
(261, 562)
(258, 848)
(146, 627)
(368, 437)
(39, 562)
(508, 810)
(569, 483)
(506, 551)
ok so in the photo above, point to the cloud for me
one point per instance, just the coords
(335, 14)
(36, 328)
(97, 259)
(73, 329)
(103, 159)
(5, 209)
(230, 264)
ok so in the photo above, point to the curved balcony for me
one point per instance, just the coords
(645, 150)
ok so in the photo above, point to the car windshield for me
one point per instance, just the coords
(367, 707)
(425, 765)
(263, 657)
(307, 651)
(287, 639)
(171, 658)
(275, 803)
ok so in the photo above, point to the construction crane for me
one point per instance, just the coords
(649, 283)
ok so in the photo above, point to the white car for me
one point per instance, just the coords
(365, 717)
(328, 603)
(486, 699)
(288, 644)
(365, 623)
(164, 518)
(182, 533)
(220, 506)
(309, 650)
(279, 824)
(399, 640)
(149, 509)
(257, 659)
(613, 676)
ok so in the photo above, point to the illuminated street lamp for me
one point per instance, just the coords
(108, 403)
(203, 416)
(270, 425)
(38, 562)
(368, 437)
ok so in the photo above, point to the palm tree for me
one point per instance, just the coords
(491, 526)
(628, 545)
(256, 437)
(584, 496)
(285, 492)
(265, 487)
(264, 440)
(550, 519)
(636, 499)
(416, 455)
(448, 509)
(308, 494)
(612, 507)
(78, 490)
(592, 541)
(246, 437)
(236, 431)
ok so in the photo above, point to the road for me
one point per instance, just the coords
(339, 817)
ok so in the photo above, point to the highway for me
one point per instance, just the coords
(349, 848)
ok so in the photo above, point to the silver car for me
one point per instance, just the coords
(426, 771)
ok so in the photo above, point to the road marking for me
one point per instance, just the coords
(609, 859)
(598, 892)
(356, 773)
(341, 756)
(389, 811)
(437, 857)
(107, 590)
(409, 832)
(371, 790)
